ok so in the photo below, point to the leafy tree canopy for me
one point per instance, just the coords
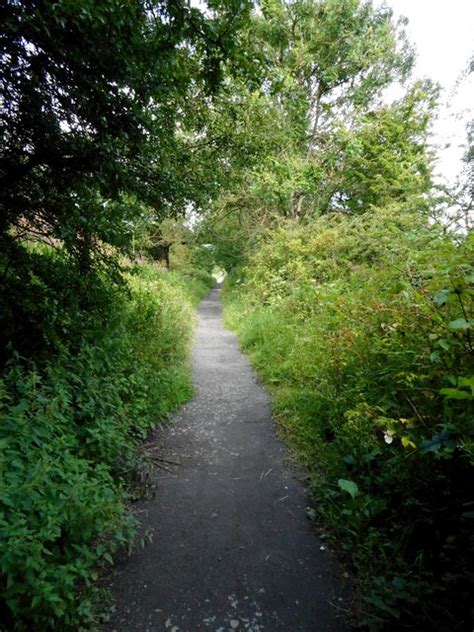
(94, 96)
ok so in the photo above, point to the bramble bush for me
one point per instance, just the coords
(363, 328)
(72, 415)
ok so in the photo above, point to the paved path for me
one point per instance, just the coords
(232, 547)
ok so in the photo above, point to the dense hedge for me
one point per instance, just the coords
(71, 418)
(363, 328)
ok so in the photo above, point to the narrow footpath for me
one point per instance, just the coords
(232, 547)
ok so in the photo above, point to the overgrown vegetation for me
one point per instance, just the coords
(273, 131)
(70, 428)
(361, 327)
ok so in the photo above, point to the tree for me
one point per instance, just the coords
(99, 102)
(331, 142)
(92, 99)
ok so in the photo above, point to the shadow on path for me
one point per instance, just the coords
(232, 548)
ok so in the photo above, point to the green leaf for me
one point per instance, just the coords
(444, 344)
(348, 486)
(454, 393)
(459, 324)
(467, 381)
(442, 297)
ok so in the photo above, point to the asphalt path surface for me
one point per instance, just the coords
(232, 546)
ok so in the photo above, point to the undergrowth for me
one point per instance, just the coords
(362, 327)
(104, 366)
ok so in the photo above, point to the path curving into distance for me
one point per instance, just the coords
(232, 547)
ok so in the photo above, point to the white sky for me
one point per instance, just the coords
(443, 34)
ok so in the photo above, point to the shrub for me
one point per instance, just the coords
(70, 425)
(363, 328)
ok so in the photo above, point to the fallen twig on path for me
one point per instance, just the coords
(160, 464)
